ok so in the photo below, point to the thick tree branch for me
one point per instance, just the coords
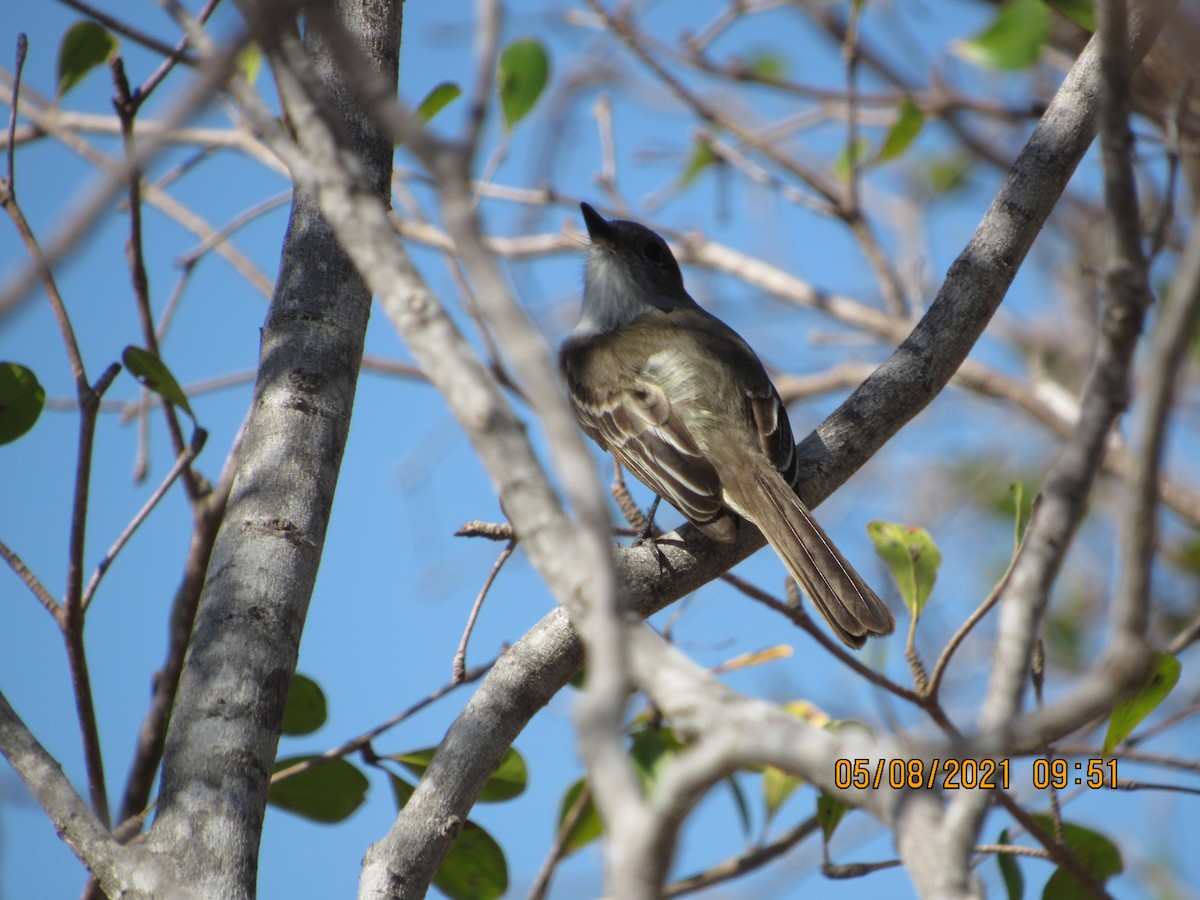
(121, 871)
(227, 718)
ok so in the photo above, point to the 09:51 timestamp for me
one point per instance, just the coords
(1059, 773)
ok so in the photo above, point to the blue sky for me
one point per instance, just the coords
(395, 586)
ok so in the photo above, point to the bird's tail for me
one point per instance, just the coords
(851, 608)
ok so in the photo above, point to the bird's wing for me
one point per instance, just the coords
(774, 430)
(641, 428)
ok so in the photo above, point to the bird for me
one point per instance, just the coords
(684, 403)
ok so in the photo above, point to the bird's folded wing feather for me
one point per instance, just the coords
(774, 430)
(639, 427)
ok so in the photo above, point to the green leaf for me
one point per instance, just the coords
(908, 124)
(777, 786)
(1098, 856)
(437, 100)
(1022, 510)
(1014, 881)
(739, 801)
(830, 811)
(508, 781)
(153, 373)
(401, 790)
(1081, 12)
(701, 158)
(947, 174)
(588, 826)
(306, 709)
(841, 165)
(912, 556)
(768, 63)
(521, 75)
(475, 865)
(1185, 555)
(249, 63)
(84, 46)
(1127, 715)
(652, 750)
(21, 401)
(579, 679)
(1014, 38)
(475, 868)
(327, 793)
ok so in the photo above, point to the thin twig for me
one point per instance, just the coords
(939, 668)
(199, 436)
(127, 108)
(459, 668)
(222, 234)
(355, 744)
(134, 34)
(745, 862)
(541, 882)
(31, 581)
(805, 622)
(209, 513)
(142, 94)
(22, 49)
(72, 617)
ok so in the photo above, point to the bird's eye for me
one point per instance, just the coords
(655, 252)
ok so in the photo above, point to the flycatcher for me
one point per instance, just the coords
(682, 401)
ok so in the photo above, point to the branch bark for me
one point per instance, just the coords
(225, 727)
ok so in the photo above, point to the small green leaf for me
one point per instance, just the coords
(521, 75)
(21, 401)
(1022, 510)
(84, 46)
(579, 679)
(841, 165)
(437, 99)
(947, 174)
(1098, 856)
(701, 158)
(306, 709)
(1014, 881)
(401, 790)
(908, 124)
(912, 556)
(153, 373)
(768, 63)
(652, 750)
(1126, 716)
(1081, 12)
(588, 825)
(475, 865)
(777, 786)
(249, 63)
(1185, 555)
(327, 793)
(830, 811)
(1014, 38)
(475, 868)
(508, 781)
(739, 801)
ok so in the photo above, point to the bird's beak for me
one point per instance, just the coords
(598, 228)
